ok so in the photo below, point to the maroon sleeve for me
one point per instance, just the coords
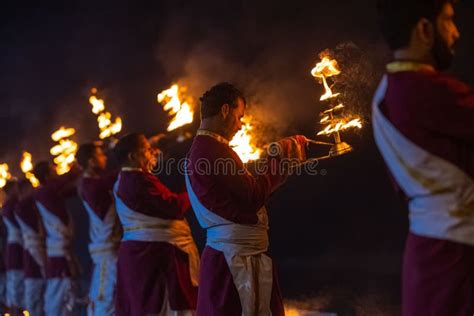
(235, 195)
(65, 185)
(146, 194)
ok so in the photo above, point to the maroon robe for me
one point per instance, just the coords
(436, 112)
(13, 251)
(26, 210)
(235, 197)
(52, 196)
(145, 269)
(97, 192)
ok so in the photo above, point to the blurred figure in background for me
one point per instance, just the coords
(95, 190)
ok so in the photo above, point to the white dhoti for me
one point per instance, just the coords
(244, 248)
(34, 291)
(15, 288)
(59, 296)
(103, 282)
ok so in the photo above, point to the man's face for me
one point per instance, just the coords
(232, 121)
(446, 37)
(99, 159)
(145, 154)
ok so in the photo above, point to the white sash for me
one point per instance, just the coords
(441, 196)
(58, 235)
(13, 232)
(244, 248)
(33, 242)
(141, 227)
(104, 240)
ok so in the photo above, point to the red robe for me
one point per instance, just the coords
(146, 270)
(52, 196)
(26, 211)
(436, 112)
(236, 198)
(13, 251)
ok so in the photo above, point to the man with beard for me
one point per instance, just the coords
(158, 262)
(61, 263)
(34, 252)
(95, 190)
(13, 251)
(423, 126)
(237, 275)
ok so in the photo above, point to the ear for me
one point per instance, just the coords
(131, 157)
(424, 32)
(225, 110)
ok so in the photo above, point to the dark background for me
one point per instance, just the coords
(337, 238)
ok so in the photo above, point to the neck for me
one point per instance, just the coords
(91, 172)
(213, 126)
(408, 54)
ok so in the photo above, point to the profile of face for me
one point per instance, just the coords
(98, 161)
(144, 154)
(446, 36)
(232, 118)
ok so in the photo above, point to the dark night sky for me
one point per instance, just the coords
(325, 229)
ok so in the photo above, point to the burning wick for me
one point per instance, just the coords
(334, 125)
(65, 150)
(181, 111)
(104, 118)
(26, 166)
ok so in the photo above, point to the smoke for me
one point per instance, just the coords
(270, 59)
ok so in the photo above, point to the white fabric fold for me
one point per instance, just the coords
(441, 196)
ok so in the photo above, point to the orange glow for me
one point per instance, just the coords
(5, 174)
(107, 125)
(326, 68)
(26, 166)
(243, 144)
(64, 152)
(181, 111)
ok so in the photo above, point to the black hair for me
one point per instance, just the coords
(127, 144)
(84, 153)
(397, 18)
(220, 94)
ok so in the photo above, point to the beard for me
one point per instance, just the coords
(443, 54)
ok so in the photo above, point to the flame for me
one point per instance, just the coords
(326, 68)
(26, 166)
(5, 174)
(64, 152)
(182, 111)
(242, 143)
(337, 125)
(107, 126)
(63, 132)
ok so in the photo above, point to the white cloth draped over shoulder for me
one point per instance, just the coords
(441, 195)
(141, 227)
(244, 248)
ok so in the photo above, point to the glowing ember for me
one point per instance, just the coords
(181, 111)
(242, 143)
(4, 174)
(337, 125)
(26, 166)
(107, 126)
(326, 68)
(64, 152)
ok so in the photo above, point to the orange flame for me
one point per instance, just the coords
(182, 112)
(5, 174)
(64, 151)
(107, 127)
(242, 142)
(26, 166)
(337, 125)
(326, 68)
(63, 132)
